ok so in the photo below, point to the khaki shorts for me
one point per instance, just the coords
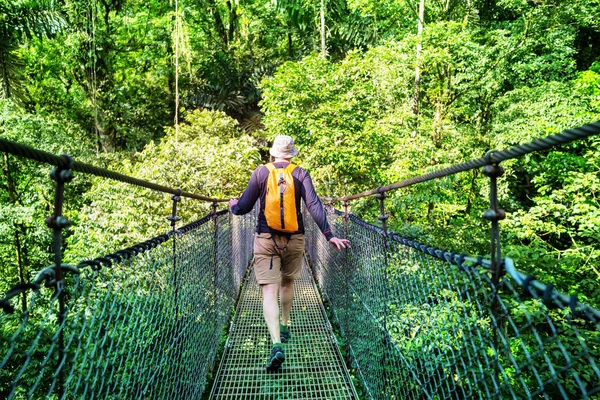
(272, 263)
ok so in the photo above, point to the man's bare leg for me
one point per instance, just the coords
(287, 297)
(271, 310)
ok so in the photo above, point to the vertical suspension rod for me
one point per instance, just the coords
(495, 214)
(173, 218)
(383, 217)
(215, 266)
(176, 198)
(346, 216)
(348, 278)
(57, 222)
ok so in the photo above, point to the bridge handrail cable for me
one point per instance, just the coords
(492, 157)
(24, 151)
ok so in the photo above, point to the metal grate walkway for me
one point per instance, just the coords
(313, 369)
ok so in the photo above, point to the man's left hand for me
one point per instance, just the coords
(232, 202)
(339, 244)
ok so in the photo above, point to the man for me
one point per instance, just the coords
(278, 256)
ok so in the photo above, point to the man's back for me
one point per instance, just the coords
(304, 189)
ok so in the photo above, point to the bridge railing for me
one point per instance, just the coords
(423, 323)
(143, 322)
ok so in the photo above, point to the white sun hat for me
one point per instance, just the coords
(283, 147)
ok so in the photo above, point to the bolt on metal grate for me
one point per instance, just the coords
(423, 323)
(144, 322)
(313, 369)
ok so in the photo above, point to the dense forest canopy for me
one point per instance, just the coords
(373, 91)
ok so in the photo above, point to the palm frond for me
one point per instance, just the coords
(215, 97)
(22, 20)
(29, 18)
(253, 123)
(11, 71)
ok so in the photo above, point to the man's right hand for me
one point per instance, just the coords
(232, 202)
(339, 244)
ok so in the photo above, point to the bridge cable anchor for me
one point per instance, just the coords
(383, 217)
(346, 204)
(173, 218)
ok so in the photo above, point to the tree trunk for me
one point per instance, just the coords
(289, 38)
(218, 22)
(21, 261)
(4, 71)
(322, 12)
(418, 67)
(171, 77)
(436, 135)
(232, 20)
(472, 193)
(21, 257)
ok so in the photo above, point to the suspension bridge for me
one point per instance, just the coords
(179, 315)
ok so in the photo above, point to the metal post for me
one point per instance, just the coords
(173, 219)
(495, 214)
(215, 266)
(383, 217)
(57, 222)
(346, 216)
(348, 280)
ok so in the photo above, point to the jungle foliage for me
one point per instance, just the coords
(369, 100)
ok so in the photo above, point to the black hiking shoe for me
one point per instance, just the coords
(285, 336)
(277, 358)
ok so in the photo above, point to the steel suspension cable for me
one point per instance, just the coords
(24, 151)
(493, 157)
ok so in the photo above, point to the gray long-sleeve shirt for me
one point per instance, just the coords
(304, 190)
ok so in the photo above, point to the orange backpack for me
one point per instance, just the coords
(280, 202)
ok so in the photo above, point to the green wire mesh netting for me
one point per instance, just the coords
(144, 322)
(314, 367)
(423, 323)
(418, 323)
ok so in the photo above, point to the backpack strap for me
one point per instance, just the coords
(290, 167)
